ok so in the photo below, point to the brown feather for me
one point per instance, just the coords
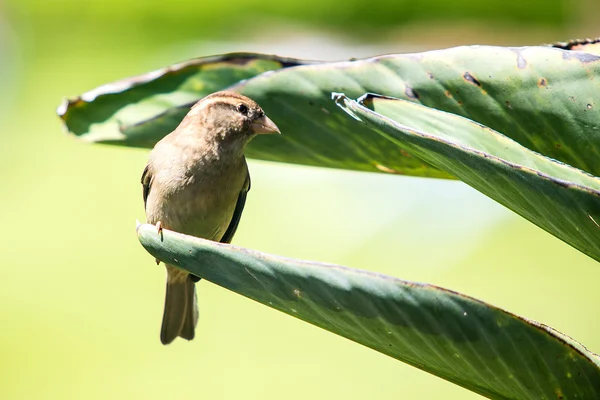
(196, 183)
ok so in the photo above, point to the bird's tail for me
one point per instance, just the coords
(181, 309)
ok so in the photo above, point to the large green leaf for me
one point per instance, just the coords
(545, 98)
(461, 339)
(561, 199)
(110, 113)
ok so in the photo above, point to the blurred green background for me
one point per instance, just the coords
(81, 301)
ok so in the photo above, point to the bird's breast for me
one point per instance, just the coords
(196, 201)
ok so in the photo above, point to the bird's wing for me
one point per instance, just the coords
(237, 213)
(146, 182)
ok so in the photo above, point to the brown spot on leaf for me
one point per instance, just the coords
(471, 79)
(542, 82)
(411, 93)
(508, 104)
(405, 153)
(448, 94)
(559, 394)
(558, 145)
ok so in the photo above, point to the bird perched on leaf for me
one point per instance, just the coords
(196, 182)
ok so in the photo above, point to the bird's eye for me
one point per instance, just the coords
(243, 109)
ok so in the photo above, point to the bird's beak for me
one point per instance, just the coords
(264, 125)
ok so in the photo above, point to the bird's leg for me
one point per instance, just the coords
(158, 231)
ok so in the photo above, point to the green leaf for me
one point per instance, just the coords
(561, 199)
(545, 98)
(111, 113)
(458, 338)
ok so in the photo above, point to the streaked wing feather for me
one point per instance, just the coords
(237, 213)
(146, 183)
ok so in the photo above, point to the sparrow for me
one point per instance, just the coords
(196, 182)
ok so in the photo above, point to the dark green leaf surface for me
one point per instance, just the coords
(463, 340)
(545, 98)
(561, 199)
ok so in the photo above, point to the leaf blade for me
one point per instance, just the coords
(560, 199)
(106, 113)
(450, 335)
(544, 97)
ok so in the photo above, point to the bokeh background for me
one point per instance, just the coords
(81, 301)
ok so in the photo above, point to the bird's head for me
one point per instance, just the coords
(228, 119)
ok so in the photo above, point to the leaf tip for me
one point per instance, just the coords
(64, 111)
(338, 97)
(343, 102)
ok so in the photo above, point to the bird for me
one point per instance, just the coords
(196, 182)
